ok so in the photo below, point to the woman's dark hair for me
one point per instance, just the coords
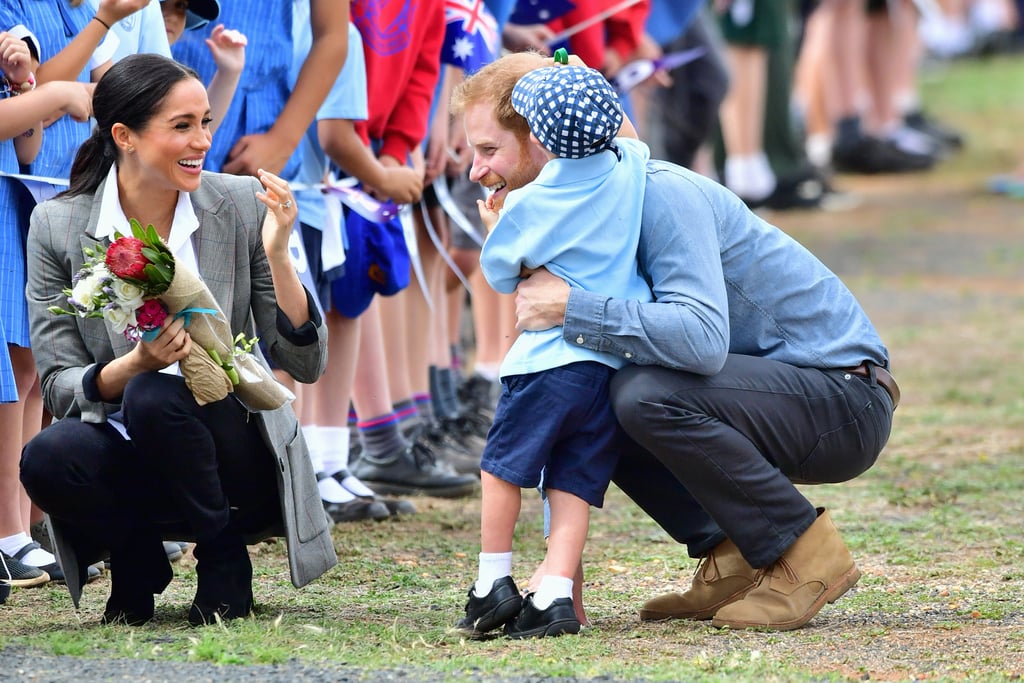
(130, 93)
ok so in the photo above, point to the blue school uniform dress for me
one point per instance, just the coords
(13, 310)
(264, 86)
(580, 219)
(54, 23)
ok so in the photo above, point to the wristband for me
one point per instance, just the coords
(97, 18)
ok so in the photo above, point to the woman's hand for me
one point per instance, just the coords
(171, 346)
(277, 229)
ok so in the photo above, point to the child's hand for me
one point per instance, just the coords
(401, 184)
(15, 59)
(488, 215)
(228, 49)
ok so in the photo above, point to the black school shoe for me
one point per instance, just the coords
(558, 619)
(493, 610)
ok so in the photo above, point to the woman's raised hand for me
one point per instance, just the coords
(280, 201)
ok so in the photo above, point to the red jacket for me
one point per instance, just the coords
(402, 45)
(620, 32)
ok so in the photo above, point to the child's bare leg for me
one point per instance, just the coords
(570, 520)
(499, 510)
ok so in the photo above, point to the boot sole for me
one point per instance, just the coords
(28, 583)
(838, 589)
(558, 628)
(393, 489)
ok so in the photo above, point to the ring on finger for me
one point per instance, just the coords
(287, 204)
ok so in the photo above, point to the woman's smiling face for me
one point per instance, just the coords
(169, 152)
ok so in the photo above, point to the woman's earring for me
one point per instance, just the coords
(131, 149)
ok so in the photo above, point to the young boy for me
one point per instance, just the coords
(580, 219)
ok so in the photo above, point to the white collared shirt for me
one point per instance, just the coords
(113, 223)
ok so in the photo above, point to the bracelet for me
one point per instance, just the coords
(29, 84)
(8, 89)
(97, 18)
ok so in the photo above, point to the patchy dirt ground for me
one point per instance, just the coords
(936, 527)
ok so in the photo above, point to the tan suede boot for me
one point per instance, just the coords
(722, 576)
(816, 569)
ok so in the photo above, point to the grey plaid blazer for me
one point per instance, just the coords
(233, 264)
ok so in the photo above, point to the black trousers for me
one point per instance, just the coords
(718, 456)
(187, 467)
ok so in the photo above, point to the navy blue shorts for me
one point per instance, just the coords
(559, 422)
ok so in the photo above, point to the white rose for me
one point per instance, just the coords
(119, 318)
(127, 295)
(87, 291)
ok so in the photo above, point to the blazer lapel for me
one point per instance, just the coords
(214, 242)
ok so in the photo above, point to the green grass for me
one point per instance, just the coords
(935, 526)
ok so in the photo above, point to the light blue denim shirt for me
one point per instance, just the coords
(724, 281)
(580, 218)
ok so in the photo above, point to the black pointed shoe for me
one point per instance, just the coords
(558, 619)
(493, 610)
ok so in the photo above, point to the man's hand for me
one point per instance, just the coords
(540, 301)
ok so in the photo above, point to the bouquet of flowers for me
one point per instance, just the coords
(134, 286)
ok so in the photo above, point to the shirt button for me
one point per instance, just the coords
(628, 355)
(579, 339)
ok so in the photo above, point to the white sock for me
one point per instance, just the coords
(749, 175)
(35, 558)
(488, 371)
(356, 486)
(333, 492)
(334, 446)
(493, 566)
(551, 588)
(311, 433)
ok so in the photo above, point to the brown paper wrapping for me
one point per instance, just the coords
(257, 388)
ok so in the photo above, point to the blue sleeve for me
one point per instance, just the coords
(687, 326)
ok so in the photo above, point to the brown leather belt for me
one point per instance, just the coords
(882, 376)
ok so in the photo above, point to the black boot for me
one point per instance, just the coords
(138, 569)
(225, 580)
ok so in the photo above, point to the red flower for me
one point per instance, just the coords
(125, 260)
(150, 315)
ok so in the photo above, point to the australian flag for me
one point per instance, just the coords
(539, 11)
(470, 36)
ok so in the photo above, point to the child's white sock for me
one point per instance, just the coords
(551, 588)
(493, 566)
(36, 557)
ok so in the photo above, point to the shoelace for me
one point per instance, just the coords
(422, 455)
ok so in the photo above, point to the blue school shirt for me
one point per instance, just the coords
(142, 32)
(346, 100)
(580, 219)
(264, 86)
(55, 23)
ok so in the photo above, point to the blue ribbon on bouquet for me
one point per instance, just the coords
(186, 313)
(638, 71)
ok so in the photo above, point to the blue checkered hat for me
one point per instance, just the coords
(572, 110)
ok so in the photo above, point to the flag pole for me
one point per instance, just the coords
(590, 21)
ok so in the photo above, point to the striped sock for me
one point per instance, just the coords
(380, 436)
